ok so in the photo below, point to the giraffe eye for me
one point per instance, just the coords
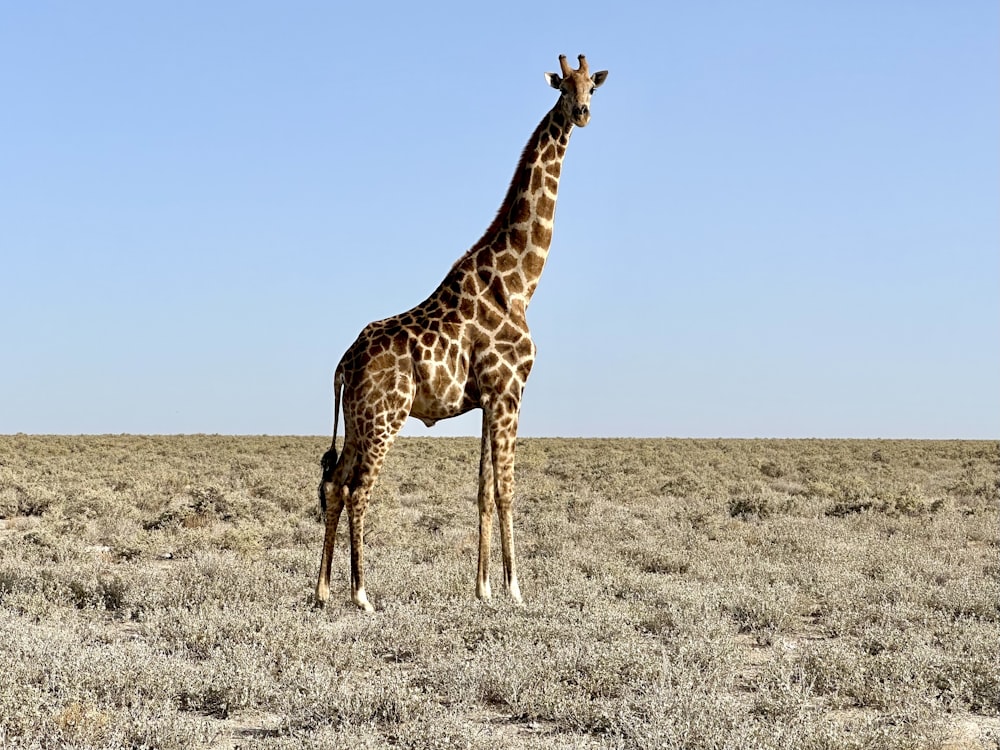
(593, 89)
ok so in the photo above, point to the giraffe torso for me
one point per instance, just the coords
(433, 363)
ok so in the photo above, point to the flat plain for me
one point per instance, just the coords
(156, 592)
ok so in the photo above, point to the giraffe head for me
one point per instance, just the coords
(576, 87)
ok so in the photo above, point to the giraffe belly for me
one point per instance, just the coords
(439, 396)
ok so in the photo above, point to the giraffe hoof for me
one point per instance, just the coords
(320, 598)
(362, 603)
(515, 594)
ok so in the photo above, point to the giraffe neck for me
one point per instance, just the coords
(511, 254)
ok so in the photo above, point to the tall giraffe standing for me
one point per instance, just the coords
(466, 346)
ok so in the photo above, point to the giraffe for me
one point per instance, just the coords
(466, 346)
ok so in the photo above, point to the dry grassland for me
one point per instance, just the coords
(155, 592)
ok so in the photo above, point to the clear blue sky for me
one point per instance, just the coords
(783, 219)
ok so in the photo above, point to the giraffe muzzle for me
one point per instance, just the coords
(581, 115)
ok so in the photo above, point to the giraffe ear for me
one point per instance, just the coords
(599, 77)
(554, 80)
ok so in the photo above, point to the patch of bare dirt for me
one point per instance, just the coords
(236, 731)
(973, 732)
(18, 524)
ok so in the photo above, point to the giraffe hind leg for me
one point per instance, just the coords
(369, 464)
(366, 443)
(356, 518)
(371, 453)
(329, 486)
(333, 495)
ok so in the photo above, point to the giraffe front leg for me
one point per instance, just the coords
(503, 441)
(486, 505)
(506, 512)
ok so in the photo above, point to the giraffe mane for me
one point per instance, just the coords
(513, 190)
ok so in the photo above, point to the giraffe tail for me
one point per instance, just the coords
(329, 460)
